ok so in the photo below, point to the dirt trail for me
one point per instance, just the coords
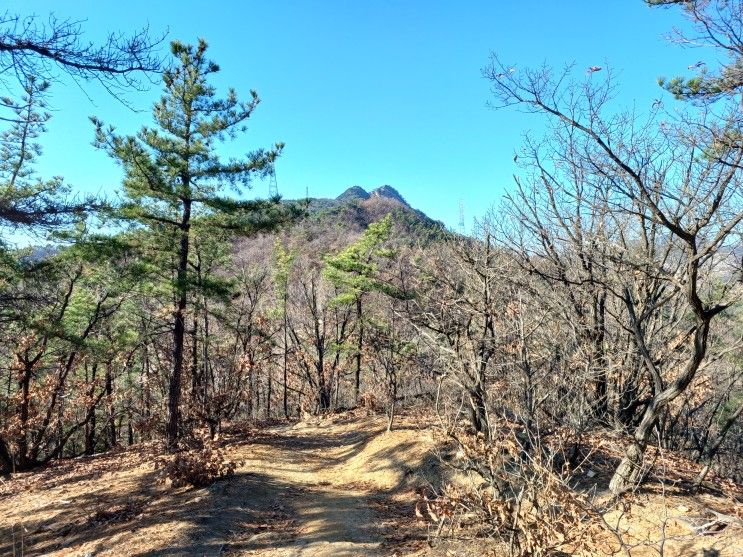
(327, 488)
(340, 486)
(304, 494)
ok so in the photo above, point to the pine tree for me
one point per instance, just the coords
(717, 24)
(27, 201)
(175, 180)
(355, 273)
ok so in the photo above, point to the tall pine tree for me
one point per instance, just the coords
(28, 202)
(175, 179)
(355, 273)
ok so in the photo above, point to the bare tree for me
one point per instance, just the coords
(319, 331)
(682, 180)
(32, 47)
(454, 312)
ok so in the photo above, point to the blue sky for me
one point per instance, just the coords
(369, 92)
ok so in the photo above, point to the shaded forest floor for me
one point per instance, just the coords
(331, 487)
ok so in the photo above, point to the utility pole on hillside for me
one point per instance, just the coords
(273, 187)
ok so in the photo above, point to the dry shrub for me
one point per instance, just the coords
(519, 496)
(147, 426)
(371, 403)
(199, 463)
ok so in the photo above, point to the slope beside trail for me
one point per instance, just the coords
(333, 487)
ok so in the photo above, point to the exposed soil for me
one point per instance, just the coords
(340, 486)
(301, 490)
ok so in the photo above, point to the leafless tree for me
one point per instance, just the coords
(680, 180)
(41, 48)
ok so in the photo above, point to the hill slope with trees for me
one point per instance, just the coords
(344, 376)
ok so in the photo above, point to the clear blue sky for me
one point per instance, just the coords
(369, 92)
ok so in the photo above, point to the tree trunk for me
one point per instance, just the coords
(393, 398)
(269, 391)
(629, 472)
(478, 413)
(110, 404)
(359, 347)
(391, 373)
(325, 397)
(286, 363)
(22, 458)
(179, 330)
(601, 409)
(6, 459)
(90, 426)
(196, 378)
(323, 387)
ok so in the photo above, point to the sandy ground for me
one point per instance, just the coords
(339, 486)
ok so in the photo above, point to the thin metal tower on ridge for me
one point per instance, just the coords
(461, 217)
(273, 187)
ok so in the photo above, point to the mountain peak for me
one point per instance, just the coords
(390, 193)
(353, 193)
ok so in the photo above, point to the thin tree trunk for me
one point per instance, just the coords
(196, 378)
(286, 362)
(393, 400)
(22, 460)
(110, 404)
(269, 391)
(90, 426)
(359, 347)
(391, 373)
(179, 329)
(601, 382)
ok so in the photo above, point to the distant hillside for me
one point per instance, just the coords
(332, 224)
(329, 224)
(356, 208)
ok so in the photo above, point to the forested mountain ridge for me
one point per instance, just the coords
(351, 212)
(324, 226)
(356, 208)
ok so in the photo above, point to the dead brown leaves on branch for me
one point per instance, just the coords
(200, 462)
(519, 494)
